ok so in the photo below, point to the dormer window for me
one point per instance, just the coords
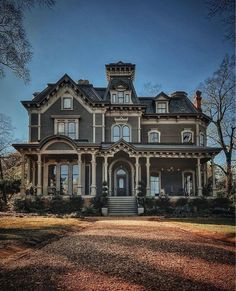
(187, 136)
(162, 107)
(120, 96)
(67, 103)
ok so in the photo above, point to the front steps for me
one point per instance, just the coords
(122, 206)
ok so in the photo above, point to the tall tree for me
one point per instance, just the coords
(15, 49)
(6, 138)
(220, 106)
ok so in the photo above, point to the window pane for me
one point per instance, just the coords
(64, 179)
(75, 174)
(71, 130)
(67, 103)
(120, 97)
(187, 137)
(114, 98)
(154, 184)
(126, 133)
(161, 107)
(127, 98)
(61, 128)
(121, 183)
(154, 137)
(202, 139)
(116, 133)
(52, 175)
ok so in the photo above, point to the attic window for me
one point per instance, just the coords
(187, 136)
(67, 103)
(161, 107)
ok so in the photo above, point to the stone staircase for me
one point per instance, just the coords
(122, 206)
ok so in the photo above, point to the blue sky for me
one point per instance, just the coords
(172, 43)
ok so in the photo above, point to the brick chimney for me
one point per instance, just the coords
(198, 100)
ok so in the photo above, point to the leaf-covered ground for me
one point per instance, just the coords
(124, 254)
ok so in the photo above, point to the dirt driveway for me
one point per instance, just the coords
(124, 254)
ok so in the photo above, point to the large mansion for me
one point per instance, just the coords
(81, 136)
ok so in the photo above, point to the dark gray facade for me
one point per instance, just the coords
(81, 136)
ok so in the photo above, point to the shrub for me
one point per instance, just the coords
(181, 202)
(57, 205)
(199, 203)
(141, 193)
(149, 203)
(221, 203)
(163, 203)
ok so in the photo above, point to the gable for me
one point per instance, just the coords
(59, 146)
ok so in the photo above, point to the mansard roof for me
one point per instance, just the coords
(178, 103)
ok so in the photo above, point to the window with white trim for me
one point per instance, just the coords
(154, 136)
(187, 136)
(121, 131)
(68, 127)
(162, 107)
(202, 139)
(154, 184)
(67, 103)
(120, 96)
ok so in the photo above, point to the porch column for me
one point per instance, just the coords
(93, 184)
(136, 175)
(28, 172)
(33, 174)
(22, 187)
(79, 190)
(39, 185)
(148, 175)
(199, 178)
(213, 178)
(105, 165)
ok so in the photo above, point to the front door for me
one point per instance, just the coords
(121, 182)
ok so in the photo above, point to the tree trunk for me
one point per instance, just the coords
(229, 180)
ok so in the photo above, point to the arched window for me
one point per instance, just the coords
(187, 136)
(154, 136)
(116, 133)
(126, 133)
(121, 131)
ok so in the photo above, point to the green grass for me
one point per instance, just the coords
(224, 226)
(19, 233)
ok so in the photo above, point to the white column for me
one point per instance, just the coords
(33, 174)
(39, 184)
(22, 187)
(199, 178)
(103, 127)
(105, 166)
(94, 128)
(213, 178)
(148, 175)
(136, 175)
(197, 134)
(93, 184)
(79, 191)
(28, 172)
(139, 129)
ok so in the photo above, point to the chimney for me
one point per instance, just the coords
(83, 82)
(198, 100)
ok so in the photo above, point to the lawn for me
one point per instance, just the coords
(219, 227)
(20, 233)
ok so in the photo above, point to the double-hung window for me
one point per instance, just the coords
(161, 107)
(187, 136)
(154, 136)
(68, 127)
(67, 103)
(121, 131)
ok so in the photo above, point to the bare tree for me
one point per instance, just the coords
(220, 106)
(15, 50)
(6, 138)
(226, 10)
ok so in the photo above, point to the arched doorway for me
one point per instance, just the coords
(121, 182)
(122, 179)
